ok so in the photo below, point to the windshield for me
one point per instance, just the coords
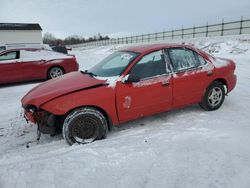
(114, 64)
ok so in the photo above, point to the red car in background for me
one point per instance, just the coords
(128, 84)
(18, 65)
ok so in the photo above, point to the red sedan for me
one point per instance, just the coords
(17, 65)
(128, 84)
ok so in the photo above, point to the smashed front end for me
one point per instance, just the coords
(47, 123)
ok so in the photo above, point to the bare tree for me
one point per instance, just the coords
(48, 38)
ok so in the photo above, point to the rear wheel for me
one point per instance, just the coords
(84, 125)
(214, 96)
(55, 72)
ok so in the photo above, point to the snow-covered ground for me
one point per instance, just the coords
(187, 148)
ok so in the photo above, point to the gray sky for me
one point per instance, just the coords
(120, 17)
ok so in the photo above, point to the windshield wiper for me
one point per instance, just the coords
(89, 73)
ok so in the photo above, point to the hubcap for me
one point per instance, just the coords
(215, 96)
(84, 130)
(55, 72)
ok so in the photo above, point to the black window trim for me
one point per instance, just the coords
(196, 56)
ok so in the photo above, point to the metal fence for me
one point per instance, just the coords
(221, 29)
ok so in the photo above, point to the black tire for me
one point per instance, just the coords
(84, 125)
(214, 96)
(54, 72)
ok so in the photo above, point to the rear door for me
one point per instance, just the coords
(10, 67)
(191, 75)
(152, 94)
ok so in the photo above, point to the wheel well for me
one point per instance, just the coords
(223, 81)
(109, 120)
(53, 67)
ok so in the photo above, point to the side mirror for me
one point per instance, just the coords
(132, 78)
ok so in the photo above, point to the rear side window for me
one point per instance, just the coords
(150, 65)
(9, 56)
(182, 59)
(201, 60)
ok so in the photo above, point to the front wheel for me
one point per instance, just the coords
(84, 125)
(214, 96)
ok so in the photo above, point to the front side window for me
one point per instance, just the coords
(9, 56)
(114, 64)
(150, 65)
(182, 59)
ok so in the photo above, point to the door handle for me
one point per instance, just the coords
(165, 84)
(210, 73)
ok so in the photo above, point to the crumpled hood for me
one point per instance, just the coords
(59, 86)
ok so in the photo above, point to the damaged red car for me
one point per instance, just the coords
(128, 84)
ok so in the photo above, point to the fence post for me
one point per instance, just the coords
(149, 37)
(172, 34)
(142, 37)
(182, 32)
(155, 35)
(241, 24)
(163, 35)
(222, 27)
(194, 32)
(207, 30)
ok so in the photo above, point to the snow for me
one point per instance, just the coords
(158, 79)
(111, 81)
(187, 147)
(220, 62)
(37, 55)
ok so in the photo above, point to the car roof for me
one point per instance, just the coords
(17, 49)
(144, 49)
(154, 47)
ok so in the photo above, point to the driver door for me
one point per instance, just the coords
(10, 67)
(152, 94)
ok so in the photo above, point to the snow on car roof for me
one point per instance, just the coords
(152, 47)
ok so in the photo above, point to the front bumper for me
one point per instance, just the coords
(29, 116)
(45, 121)
(232, 80)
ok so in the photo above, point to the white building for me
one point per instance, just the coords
(20, 33)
